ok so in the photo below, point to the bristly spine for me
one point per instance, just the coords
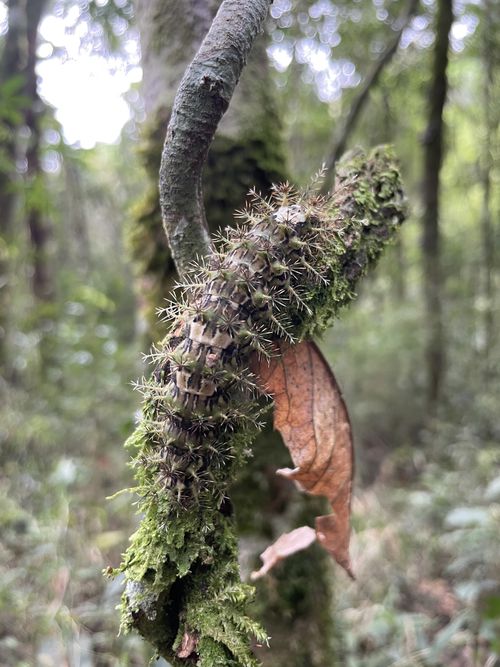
(282, 275)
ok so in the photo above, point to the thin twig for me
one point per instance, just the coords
(357, 106)
(203, 97)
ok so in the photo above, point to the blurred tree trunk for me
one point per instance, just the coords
(245, 142)
(295, 604)
(431, 237)
(10, 68)
(37, 202)
(80, 252)
(398, 265)
(38, 229)
(491, 58)
(170, 34)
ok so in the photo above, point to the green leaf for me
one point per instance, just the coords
(492, 607)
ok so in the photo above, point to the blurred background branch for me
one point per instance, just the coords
(343, 133)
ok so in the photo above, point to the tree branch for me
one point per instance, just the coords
(357, 106)
(201, 101)
(183, 590)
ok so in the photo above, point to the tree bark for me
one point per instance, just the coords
(202, 99)
(171, 33)
(10, 67)
(42, 283)
(491, 58)
(80, 253)
(247, 151)
(431, 237)
(183, 591)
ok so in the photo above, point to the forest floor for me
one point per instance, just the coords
(425, 513)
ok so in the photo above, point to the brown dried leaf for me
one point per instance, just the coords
(188, 644)
(285, 545)
(311, 415)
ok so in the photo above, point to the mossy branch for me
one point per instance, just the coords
(285, 274)
(203, 97)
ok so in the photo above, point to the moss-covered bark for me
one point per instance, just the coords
(294, 602)
(10, 68)
(297, 600)
(247, 152)
(183, 591)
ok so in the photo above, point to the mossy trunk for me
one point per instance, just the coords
(491, 60)
(200, 414)
(10, 68)
(38, 228)
(37, 216)
(295, 605)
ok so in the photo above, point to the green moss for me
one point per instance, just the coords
(234, 167)
(181, 566)
(307, 602)
(376, 210)
(186, 559)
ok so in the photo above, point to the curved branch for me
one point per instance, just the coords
(357, 106)
(203, 97)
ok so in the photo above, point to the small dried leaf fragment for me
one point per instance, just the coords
(286, 545)
(334, 530)
(311, 415)
(188, 644)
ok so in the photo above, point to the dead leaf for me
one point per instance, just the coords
(285, 545)
(311, 415)
(188, 644)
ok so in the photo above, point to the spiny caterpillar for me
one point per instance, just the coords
(283, 274)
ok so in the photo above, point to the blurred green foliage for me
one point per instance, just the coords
(61, 432)
(426, 512)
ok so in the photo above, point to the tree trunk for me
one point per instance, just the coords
(38, 230)
(491, 58)
(431, 237)
(10, 67)
(79, 242)
(295, 605)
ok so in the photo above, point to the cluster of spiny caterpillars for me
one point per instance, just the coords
(282, 274)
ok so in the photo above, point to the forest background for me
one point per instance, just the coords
(83, 265)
